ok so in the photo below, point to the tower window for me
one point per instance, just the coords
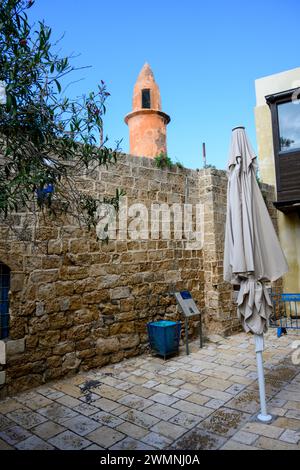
(146, 103)
(4, 303)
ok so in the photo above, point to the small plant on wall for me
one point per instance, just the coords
(162, 160)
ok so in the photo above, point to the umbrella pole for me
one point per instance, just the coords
(259, 347)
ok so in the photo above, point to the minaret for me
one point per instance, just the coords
(147, 123)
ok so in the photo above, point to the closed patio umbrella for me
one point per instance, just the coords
(252, 254)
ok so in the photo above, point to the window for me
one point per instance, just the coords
(4, 302)
(146, 102)
(285, 114)
(289, 126)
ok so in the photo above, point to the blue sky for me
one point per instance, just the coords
(205, 56)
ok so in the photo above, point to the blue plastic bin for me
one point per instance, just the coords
(164, 336)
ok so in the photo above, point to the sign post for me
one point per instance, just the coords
(189, 309)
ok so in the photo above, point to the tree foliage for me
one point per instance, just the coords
(46, 138)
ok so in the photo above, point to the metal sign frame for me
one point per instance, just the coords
(189, 309)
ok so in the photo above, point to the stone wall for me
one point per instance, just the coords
(78, 303)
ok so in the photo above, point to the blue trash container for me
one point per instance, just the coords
(164, 336)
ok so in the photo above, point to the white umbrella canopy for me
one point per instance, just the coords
(252, 253)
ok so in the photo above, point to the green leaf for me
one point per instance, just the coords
(58, 85)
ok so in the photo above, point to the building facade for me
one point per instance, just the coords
(277, 115)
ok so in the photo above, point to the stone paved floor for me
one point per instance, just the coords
(207, 400)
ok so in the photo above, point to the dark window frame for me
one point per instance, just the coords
(283, 158)
(5, 279)
(146, 98)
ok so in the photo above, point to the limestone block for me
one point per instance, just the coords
(2, 377)
(39, 310)
(129, 341)
(120, 293)
(2, 352)
(70, 362)
(16, 346)
(107, 345)
(17, 282)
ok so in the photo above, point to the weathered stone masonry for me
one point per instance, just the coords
(77, 303)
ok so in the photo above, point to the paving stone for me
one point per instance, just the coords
(138, 372)
(164, 399)
(105, 436)
(77, 379)
(134, 401)
(68, 440)
(196, 388)
(47, 429)
(197, 398)
(107, 419)
(290, 436)
(89, 397)
(156, 440)
(176, 382)
(34, 400)
(57, 413)
(82, 425)
(216, 394)
(68, 401)
(137, 380)
(215, 404)
(93, 447)
(5, 446)
(164, 388)
(5, 422)
(68, 389)
(293, 414)
(240, 379)
(150, 384)
(86, 409)
(161, 411)
(34, 443)
(245, 437)
(124, 386)
(142, 391)
(103, 404)
(123, 375)
(234, 445)
(120, 410)
(9, 405)
(50, 393)
(131, 444)
(105, 391)
(140, 418)
(276, 411)
(267, 430)
(235, 389)
(26, 418)
(14, 434)
(169, 430)
(132, 430)
(186, 420)
(216, 384)
(274, 444)
(288, 423)
(182, 393)
(247, 400)
(189, 407)
(198, 439)
(224, 421)
(290, 405)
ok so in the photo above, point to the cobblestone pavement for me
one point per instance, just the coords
(207, 400)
